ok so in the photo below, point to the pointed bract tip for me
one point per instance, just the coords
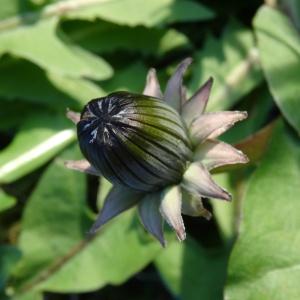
(152, 87)
(183, 65)
(244, 115)
(90, 233)
(206, 214)
(152, 71)
(69, 164)
(73, 116)
(96, 226)
(82, 166)
(151, 74)
(180, 233)
(227, 196)
(187, 60)
(163, 243)
(209, 82)
(244, 158)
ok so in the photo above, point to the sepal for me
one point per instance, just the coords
(173, 90)
(150, 216)
(170, 208)
(152, 87)
(196, 105)
(212, 125)
(198, 180)
(118, 200)
(192, 205)
(215, 154)
(82, 166)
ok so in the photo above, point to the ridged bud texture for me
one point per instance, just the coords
(134, 140)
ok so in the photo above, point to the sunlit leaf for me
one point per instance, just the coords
(55, 244)
(131, 78)
(40, 138)
(103, 37)
(6, 202)
(281, 67)
(154, 12)
(53, 90)
(232, 62)
(265, 260)
(37, 42)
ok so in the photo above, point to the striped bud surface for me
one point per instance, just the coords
(134, 140)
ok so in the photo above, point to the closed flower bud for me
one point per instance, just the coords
(158, 150)
(134, 140)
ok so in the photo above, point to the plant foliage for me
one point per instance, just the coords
(56, 55)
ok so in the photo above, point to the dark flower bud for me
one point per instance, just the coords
(134, 140)
(141, 144)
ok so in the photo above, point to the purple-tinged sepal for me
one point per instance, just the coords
(151, 217)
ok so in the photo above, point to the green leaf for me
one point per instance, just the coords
(6, 202)
(41, 137)
(192, 272)
(9, 257)
(103, 37)
(9, 8)
(54, 219)
(265, 260)
(292, 7)
(37, 43)
(281, 67)
(55, 244)
(9, 119)
(151, 13)
(259, 106)
(56, 91)
(232, 61)
(222, 210)
(130, 78)
(28, 296)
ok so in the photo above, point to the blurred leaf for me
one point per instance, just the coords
(292, 7)
(56, 91)
(6, 202)
(54, 219)
(28, 296)
(150, 13)
(104, 188)
(105, 260)
(9, 117)
(222, 210)
(232, 61)
(130, 78)
(76, 88)
(256, 145)
(9, 8)
(265, 260)
(38, 41)
(104, 37)
(281, 67)
(40, 138)
(192, 272)
(260, 107)
(58, 256)
(9, 257)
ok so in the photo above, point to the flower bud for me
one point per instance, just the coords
(134, 140)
